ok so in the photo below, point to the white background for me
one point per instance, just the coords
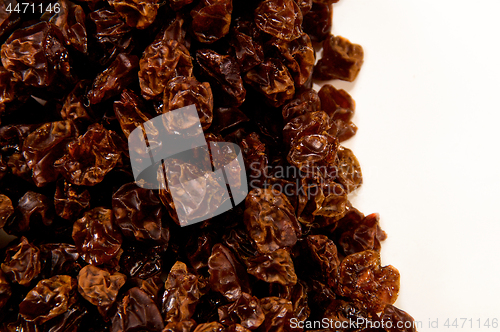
(428, 116)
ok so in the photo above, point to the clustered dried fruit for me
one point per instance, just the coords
(95, 252)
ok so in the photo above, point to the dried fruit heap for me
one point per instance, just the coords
(94, 252)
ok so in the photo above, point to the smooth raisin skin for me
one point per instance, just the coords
(96, 237)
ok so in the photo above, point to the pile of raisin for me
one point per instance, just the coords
(93, 251)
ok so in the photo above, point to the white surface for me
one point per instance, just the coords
(428, 117)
